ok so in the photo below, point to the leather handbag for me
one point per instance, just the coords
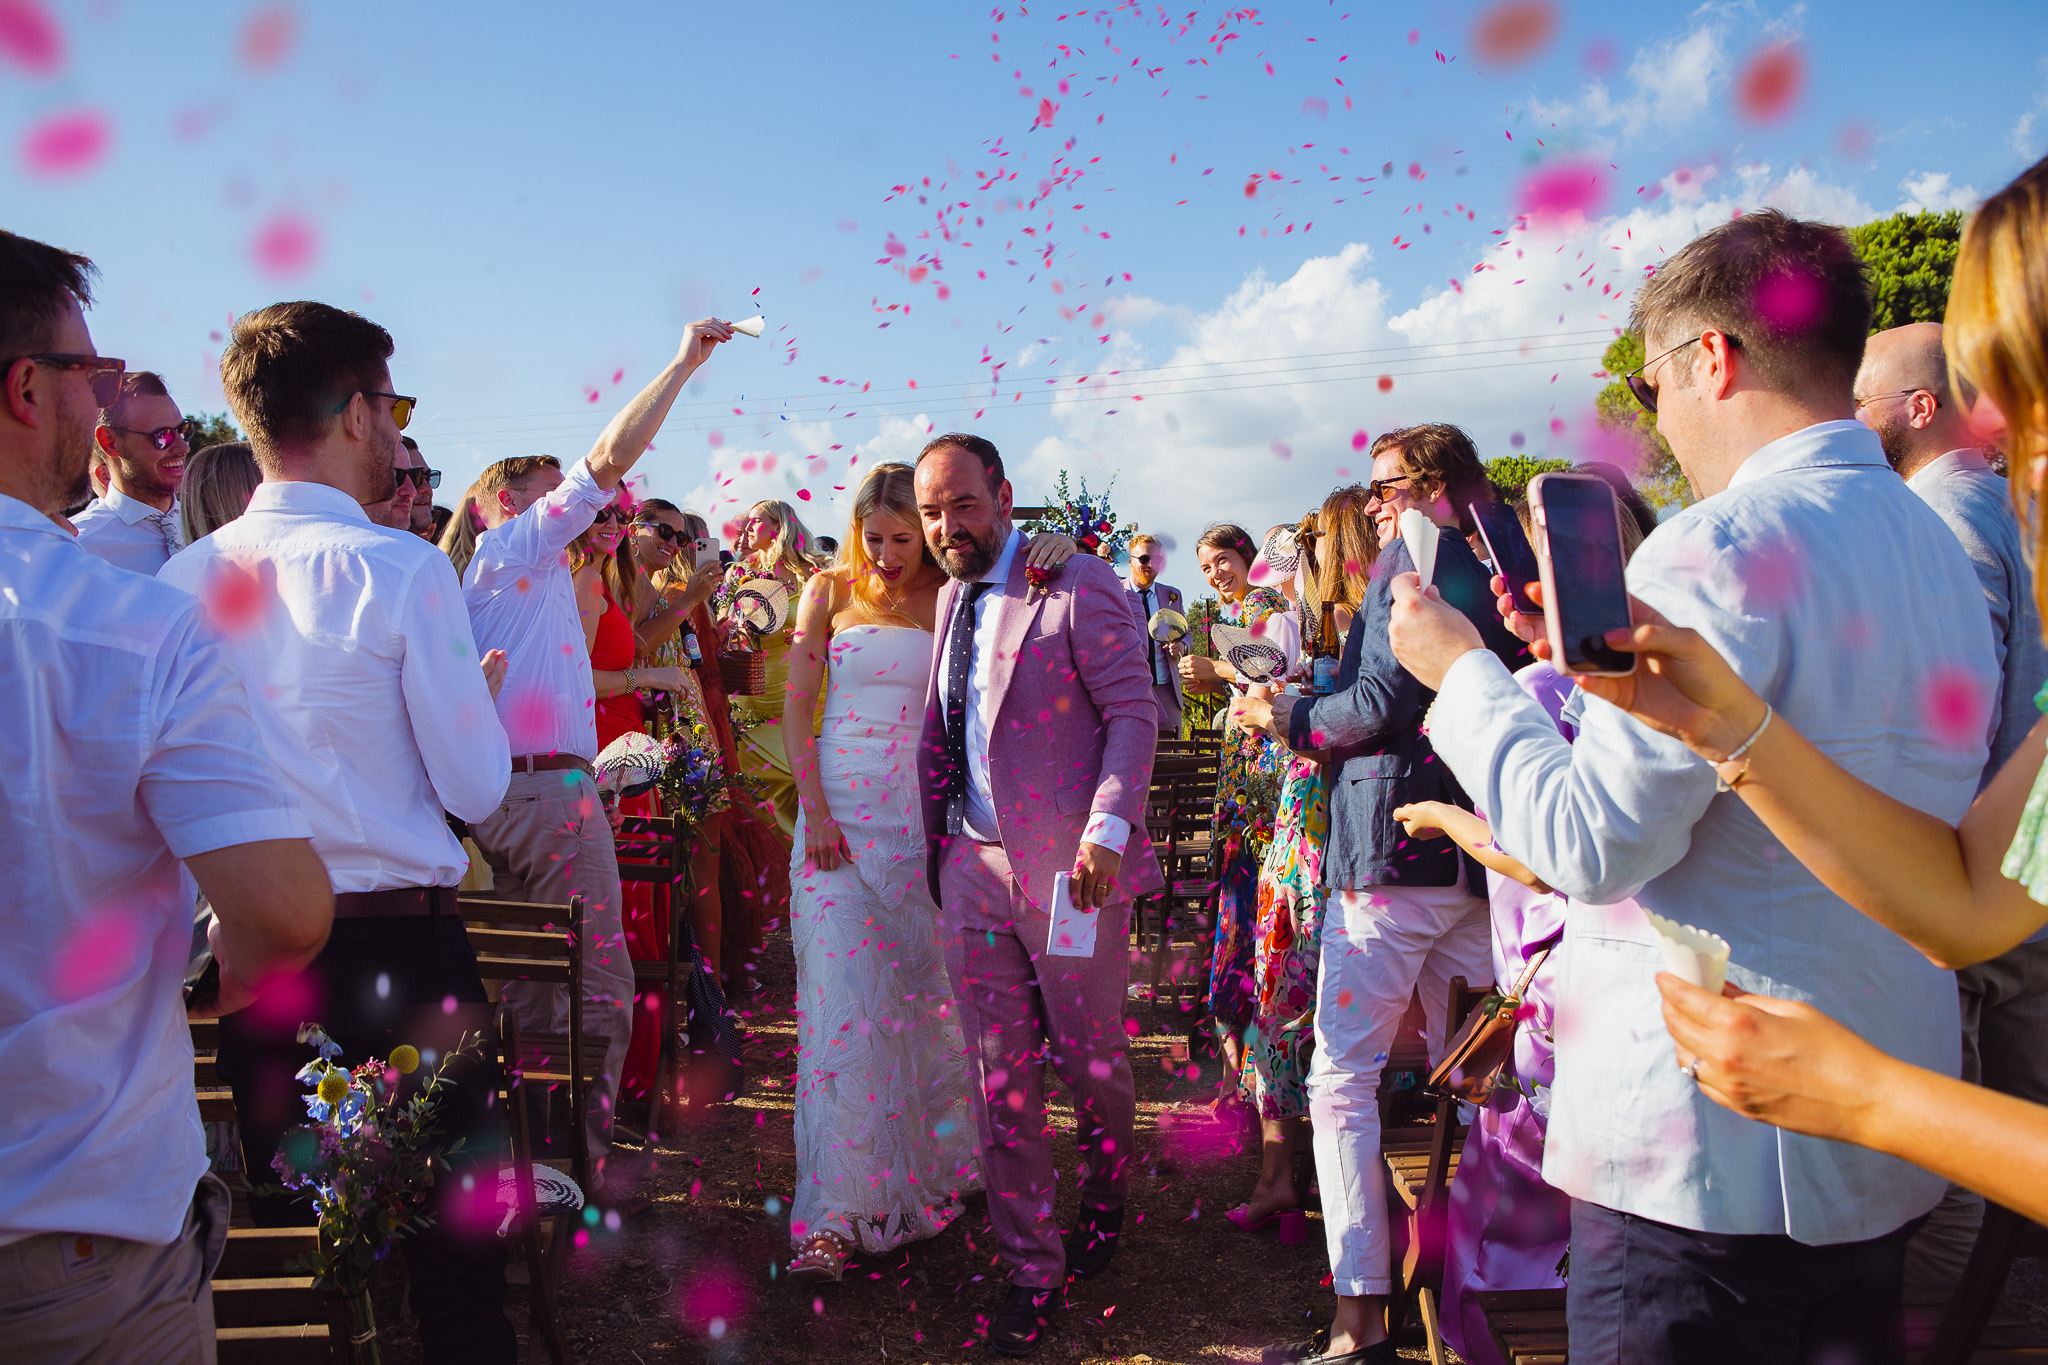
(1483, 1044)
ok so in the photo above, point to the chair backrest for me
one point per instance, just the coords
(216, 1100)
(267, 1314)
(529, 941)
(652, 848)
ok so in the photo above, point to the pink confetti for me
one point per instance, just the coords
(1562, 195)
(1514, 31)
(1386, 385)
(1956, 708)
(66, 144)
(101, 953)
(1791, 302)
(1359, 440)
(285, 245)
(1770, 82)
(1046, 109)
(29, 37)
(268, 36)
(1283, 450)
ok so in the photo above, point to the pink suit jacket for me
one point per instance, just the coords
(1074, 724)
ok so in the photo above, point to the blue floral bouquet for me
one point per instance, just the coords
(369, 1160)
(1088, 518)
(695, 785)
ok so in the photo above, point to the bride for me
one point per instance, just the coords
(885, 1136)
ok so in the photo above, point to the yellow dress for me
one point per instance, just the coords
(762, 755)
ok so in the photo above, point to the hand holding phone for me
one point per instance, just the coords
(1513, 558)
(1582, 572)
(703, 551)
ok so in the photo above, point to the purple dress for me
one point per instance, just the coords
(1508, 1229)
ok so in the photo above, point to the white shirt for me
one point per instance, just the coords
(128, 533)
(363, 679)
(1846, 602)
(127, 746)
(979, 818)
(522, 599)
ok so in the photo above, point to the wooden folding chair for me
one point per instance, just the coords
(545, 1237)
(265, 1314)
(523, 941)
(1967, 1332)
(1527, 1324)
(655, 849)
(1419, 1177)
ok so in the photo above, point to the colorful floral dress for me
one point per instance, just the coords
(1287, 947)
(1248, 775)
(2026, 861)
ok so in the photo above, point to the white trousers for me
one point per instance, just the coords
(1380, 944)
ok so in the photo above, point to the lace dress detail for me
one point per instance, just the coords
(885, 1138)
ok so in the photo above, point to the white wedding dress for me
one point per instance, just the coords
(885, 1138)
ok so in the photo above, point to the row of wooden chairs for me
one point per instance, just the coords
(1179, 815)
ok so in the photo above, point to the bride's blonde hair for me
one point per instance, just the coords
(887, 488)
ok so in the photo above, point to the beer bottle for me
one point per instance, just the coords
(1324, 656)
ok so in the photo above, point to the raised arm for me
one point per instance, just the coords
(824, 844)
(627, 438)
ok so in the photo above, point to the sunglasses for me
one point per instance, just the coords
(162, 437)
(1643, 389)
(103, 372)
(666, 532)
(1376, 490)
(605, 514)
(1141, 559)
(1862, 403)
(421, 478)
(401, 406)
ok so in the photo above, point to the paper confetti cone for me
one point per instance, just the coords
(753, 327)
(1421, 534)
(1691, 954)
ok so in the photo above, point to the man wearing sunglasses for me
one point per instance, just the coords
(141, 439)
(1147, 596)
(410, 507)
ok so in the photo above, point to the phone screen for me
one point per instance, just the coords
(1513, 560)
(1584, 538)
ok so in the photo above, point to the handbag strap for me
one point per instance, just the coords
(1536, 963)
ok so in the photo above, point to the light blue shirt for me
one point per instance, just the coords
(128, 533)
(1849, 605)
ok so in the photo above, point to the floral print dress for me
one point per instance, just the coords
(1286, 948)
(1248, 775)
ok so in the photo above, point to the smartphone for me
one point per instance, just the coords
(703, 550)
(1509, 550)
(1581, 569)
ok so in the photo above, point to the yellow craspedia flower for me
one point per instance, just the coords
(333, 1087)
(405, 1059)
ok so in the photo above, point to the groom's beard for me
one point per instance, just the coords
(966, 557)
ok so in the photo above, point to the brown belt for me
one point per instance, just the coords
(399, 901)
(552, 763)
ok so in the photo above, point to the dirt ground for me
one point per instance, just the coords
(698, 1277)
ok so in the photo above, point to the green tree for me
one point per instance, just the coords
(1912, 258)
(1660, 479)
(215, 429)
(1510, 474)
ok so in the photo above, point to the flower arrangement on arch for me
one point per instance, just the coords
(1088, 518)
(369, 1159)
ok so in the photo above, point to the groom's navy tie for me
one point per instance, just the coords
(959, 664)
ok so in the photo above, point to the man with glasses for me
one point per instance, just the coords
(410, 506)
(141, 438)
(1902, 394)
(550, 838)
(1148, 595)
(1699, 1235)
(133, 771)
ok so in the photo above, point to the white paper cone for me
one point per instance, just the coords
(1421, 534)
(1690, 954)
(753, 327)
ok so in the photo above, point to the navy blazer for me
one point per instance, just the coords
(1372, 724)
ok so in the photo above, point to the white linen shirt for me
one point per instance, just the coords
(979, 818)
(1848, 604)
(127, 746)
(128, 533)
(362, 676)
(522, 599)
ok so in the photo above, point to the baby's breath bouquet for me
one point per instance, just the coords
(369, 1159)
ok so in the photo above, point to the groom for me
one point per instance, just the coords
(1039, 729)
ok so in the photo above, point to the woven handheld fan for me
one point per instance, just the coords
(1281, 551)
(761, 605)
(1256, 660)
(631, 764)
(1167, 626)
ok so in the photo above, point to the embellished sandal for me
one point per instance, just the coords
(821, 1259)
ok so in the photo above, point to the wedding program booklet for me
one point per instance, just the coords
(1073, 928)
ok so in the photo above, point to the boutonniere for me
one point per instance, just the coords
(1039, 576)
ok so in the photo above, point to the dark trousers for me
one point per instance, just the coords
(380, 982)
(1645, 1293)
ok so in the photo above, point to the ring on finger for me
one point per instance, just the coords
(1692, 1071)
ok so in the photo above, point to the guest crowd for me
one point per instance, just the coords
(271, 708)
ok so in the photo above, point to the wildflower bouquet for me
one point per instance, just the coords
(694, 785)
(369, 1160)
(1089, 519)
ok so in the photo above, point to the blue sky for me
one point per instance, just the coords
(535, 199)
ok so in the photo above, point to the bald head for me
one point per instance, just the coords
(1902, 394)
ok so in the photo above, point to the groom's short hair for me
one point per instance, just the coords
(979, 447)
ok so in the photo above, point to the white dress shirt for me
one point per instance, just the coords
(128, 533)
(127, 747)
(1847, 604)
(979, 819)
(522, 599)
(363, 679)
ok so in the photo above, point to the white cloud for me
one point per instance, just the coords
(1671, 84)
(2022, 137)
(1932, 191)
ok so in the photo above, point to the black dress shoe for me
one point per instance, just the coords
(1020, 1323)
(1315, 1351)
(1093, 1241)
